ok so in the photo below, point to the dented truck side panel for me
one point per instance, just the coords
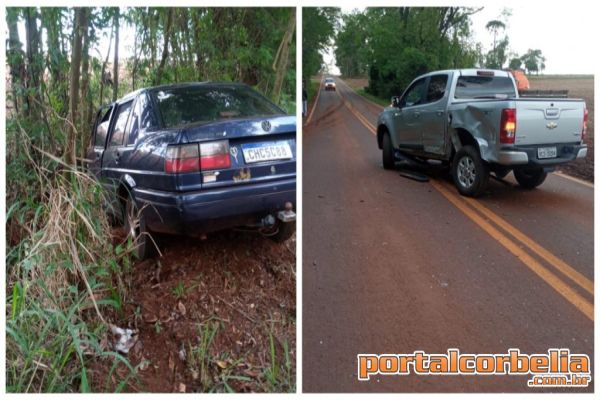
(539, 122)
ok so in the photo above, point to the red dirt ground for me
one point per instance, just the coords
(239, 282)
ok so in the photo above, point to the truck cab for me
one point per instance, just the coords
(443, 114)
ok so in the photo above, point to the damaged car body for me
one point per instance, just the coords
(196, 158)
(475, 121)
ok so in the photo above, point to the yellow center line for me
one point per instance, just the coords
(556, 262)
(550, 278)
(358, 115)
(573, 179)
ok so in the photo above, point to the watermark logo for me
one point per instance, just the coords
(556, 368)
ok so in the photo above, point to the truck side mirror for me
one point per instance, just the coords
(396, 101)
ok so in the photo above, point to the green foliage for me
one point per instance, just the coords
(179, 290)
(217, 44)
(58, 267)
(515, 63)
(318, 29)
(534, 61)
(396, 44)
(351, 54)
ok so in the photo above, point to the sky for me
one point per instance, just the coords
(565, 35)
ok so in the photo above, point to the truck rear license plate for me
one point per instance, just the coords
(546, 152)
(266, 151)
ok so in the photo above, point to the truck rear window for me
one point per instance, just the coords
(481, 87)
(205, 104)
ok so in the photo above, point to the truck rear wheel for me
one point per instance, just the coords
(387, 152)
(470, 172)
(530, 178)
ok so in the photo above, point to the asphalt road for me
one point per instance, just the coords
(392, 265)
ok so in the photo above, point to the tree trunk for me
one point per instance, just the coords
(116, 59)
(34, 70)
(85, 80)
(281, 62)
(197, 44)
(165, 52)
(74, 85)
(102, 73)
(15, 54)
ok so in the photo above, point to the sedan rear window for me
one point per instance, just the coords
(481, 87)
(205, 104)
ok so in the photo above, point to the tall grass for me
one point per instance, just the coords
(61, 266)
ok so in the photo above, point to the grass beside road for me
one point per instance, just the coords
(313, 88)
(374, 99)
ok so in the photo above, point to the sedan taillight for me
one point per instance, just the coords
(196, 157)
(214, 155)
(182, 159)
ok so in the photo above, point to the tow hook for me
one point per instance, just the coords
(287, 215)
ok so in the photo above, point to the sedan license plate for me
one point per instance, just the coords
(260, 152)
(546, 152)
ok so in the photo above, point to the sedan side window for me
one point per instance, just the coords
(102, 127)
(414, 95)
(133, 124)
(118, 132)
(437, 88)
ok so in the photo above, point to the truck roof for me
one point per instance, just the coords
(469, 72)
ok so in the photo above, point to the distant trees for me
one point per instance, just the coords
(515, 63)
(394, 45)
(534, 61)
(497, 57)
(318, 30)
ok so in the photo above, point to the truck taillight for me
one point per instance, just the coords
(214, 155)
(182, 158)
(195, 157)
(584, 127)
(508, 126)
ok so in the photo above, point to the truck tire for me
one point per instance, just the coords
(470, 172)
(387, 152)
(284, 231)
(530, 178)
(135, 228)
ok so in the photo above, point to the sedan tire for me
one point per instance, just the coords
(137, 231)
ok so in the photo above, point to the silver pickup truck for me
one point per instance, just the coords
(475, 121)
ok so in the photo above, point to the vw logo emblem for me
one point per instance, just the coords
(266, 125)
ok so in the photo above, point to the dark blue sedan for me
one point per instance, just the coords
(195, 158)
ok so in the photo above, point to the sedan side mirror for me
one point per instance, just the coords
(396, 101)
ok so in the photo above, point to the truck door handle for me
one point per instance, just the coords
(440, 112)
(416, 114)
(118, 157)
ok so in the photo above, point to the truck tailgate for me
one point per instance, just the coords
(547, 121)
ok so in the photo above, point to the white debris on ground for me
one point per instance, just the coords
(125, 338)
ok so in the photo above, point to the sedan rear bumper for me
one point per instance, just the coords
(203, 211)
